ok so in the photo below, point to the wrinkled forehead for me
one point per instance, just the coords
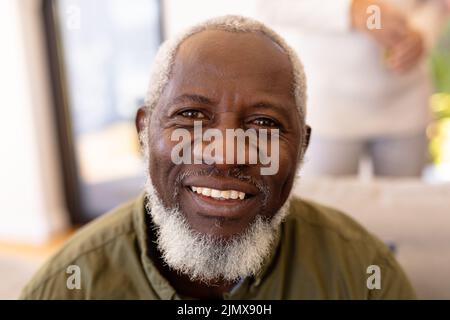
(248, 62)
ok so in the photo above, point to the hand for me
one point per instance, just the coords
(394, 25)
(404, 55)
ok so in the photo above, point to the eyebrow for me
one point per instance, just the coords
(192, 98)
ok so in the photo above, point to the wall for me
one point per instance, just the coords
(180, 14)
(31, 205)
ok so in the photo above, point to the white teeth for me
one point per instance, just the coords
(215, 193)
(219, 194)
(225, 194)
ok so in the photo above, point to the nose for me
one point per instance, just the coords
(222, 144)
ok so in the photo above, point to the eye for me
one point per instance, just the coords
(265, 122)
(192, 114)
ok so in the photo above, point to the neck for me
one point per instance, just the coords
(213, 290)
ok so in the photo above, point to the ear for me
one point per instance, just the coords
(140, 120)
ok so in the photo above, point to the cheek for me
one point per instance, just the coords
(161, 147)
(161, 165)
(282, 182)
(288, 157)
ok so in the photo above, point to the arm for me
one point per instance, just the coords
(424, 24)
(335, 16)
(428, 19)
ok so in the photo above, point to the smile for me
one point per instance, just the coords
(219, 194)
(221, 197)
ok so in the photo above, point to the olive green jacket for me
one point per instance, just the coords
(320, 254)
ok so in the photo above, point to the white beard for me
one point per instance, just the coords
(205, 258)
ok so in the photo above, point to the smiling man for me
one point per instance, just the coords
(217, 227)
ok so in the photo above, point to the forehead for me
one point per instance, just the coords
(221, 62)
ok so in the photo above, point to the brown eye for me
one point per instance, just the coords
(193, 114)
(265, 122)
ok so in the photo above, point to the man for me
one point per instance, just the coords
(222, 229)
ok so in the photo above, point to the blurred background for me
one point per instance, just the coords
(74, 72)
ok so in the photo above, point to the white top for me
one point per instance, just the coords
(351, 93)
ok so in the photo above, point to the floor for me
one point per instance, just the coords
(19, 262)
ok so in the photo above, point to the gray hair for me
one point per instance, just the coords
(165, 58)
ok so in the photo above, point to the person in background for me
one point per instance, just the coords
(369, 84)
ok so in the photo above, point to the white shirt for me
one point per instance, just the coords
(351, 93)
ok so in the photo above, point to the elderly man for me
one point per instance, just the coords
(207, 228)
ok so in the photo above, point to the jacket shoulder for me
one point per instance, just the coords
(326, 234)
(318, 216)
(85, 249)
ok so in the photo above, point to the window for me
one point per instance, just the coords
(100, 53)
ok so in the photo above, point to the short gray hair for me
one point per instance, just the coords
(165, 58)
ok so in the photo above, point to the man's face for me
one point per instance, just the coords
(227, 81)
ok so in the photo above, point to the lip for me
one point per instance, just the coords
(222, 183)
(230, 209)
(208, 207)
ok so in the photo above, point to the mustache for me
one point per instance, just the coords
(235, 173)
